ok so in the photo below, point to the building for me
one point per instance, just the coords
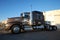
(53, 16)
(4, 21)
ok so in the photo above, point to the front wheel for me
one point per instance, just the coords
(15, 29)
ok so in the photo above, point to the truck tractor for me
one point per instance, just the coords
(28, 21)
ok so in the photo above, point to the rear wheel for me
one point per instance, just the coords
(15, 29)
(50, 28)
(55, 28)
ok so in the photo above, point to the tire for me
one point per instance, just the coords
(15, 29)
(50, 28)
(55, 28)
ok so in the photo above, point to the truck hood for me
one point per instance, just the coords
(18, 19)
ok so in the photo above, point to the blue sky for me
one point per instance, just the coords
(13, 8)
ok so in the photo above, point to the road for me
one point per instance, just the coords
(40, 35)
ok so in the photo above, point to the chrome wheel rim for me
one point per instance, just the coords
(16, 29)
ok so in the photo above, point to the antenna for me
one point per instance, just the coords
(31, 7)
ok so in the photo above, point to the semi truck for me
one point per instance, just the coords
(29, 21)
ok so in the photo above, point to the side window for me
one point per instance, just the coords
(38, 16)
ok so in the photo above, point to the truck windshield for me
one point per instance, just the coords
(26, 15)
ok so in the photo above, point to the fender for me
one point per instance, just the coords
(10, 24)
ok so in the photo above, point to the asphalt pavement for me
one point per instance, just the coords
(39, 35)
